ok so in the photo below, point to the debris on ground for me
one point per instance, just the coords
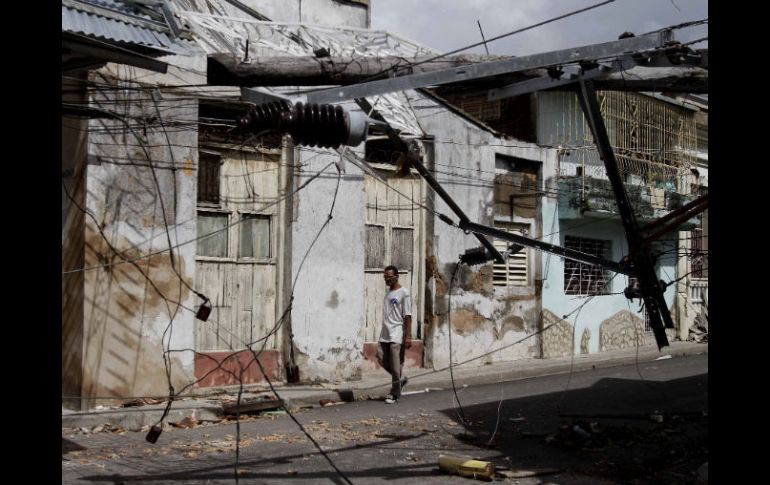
(187, 422)
(142, 402)
(467, 467)
(273, 413)
(525, 472)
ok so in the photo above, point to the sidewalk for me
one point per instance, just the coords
(211, 407)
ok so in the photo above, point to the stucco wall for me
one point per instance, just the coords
(484, 319)
(602, 307)
(328, 307)
(130, 310)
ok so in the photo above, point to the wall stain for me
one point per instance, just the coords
(432, 272)
(584, 341)
(481, 281)
(466, 322)
(333, 300)
(130, 290)
(510, 323)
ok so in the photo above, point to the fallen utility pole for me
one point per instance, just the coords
(653, 73)
(674, 219)
(639, 262)
(488, 69)
(649, 285)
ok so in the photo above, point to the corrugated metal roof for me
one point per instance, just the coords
(116, 21)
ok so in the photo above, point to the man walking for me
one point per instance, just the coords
(395, 336)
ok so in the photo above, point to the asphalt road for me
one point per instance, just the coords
(635, 424)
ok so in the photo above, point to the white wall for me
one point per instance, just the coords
(328, 308)
(600, 307)
(125, 316)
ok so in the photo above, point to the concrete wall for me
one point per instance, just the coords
(483, 318)
(323, 12)
(604, 315)
(328, 307)
(131, 311)
(607, 322)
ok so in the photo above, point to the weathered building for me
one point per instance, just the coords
(168, 208)
(127, 172)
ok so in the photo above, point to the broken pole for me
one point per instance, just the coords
(649, 285)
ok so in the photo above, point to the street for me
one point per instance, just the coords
(597, 426)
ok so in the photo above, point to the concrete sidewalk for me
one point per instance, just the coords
(211, 407)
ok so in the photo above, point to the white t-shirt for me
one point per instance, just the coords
(397, 305)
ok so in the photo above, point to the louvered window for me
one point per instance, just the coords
(514, 272)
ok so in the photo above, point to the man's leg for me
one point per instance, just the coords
(395, 369)
(401, 354)
(383, 356)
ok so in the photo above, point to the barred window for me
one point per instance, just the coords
(582, 278)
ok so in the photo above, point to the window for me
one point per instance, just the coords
(586, 279)
(698, 256)
(375, 247)
(402, 248)
(255, 236)
(212, 234)
(208, 177)
(514, 271)
(516, 187)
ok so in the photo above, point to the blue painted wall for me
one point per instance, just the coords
(600, 307)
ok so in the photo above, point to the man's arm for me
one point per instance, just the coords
(408, 331)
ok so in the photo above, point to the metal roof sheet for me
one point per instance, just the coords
(114, 21)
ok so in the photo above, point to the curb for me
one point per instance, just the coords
(134, 419)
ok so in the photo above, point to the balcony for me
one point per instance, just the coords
(581, 197)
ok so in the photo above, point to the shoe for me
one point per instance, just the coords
(404, 382)
(390, 399)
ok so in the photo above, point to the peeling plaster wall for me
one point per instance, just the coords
(125, 313)
(484, 319)
(603, 307)
(324, 12)
(328, 307)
